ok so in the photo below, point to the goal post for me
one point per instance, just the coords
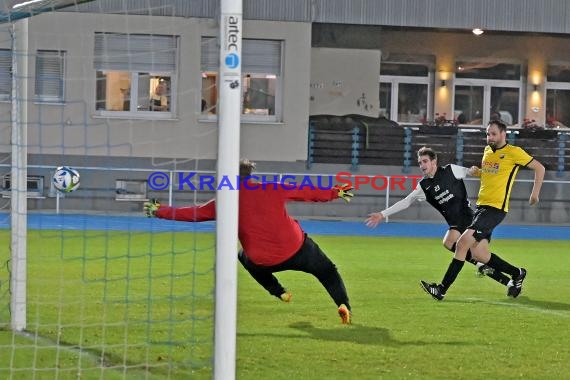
(19, 174)
(227, 199)
(96, 289)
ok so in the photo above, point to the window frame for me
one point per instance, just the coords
(38, 86)
(552, 85)
(134, 74)
(248, 118)
(487, 84)
(7, 71)
(556, 86)
(396, 80)
(142, 114)
(520, 84)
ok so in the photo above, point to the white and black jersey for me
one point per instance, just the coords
(446, 192)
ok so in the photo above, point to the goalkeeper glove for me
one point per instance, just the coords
(344, 192)
(150, 208)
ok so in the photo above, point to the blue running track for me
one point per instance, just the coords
(318, 227)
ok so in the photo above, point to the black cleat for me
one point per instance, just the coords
(433, 290)
(516, 289)
(513, 291)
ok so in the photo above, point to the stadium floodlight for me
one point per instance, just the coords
(24, 9)
(26, 3)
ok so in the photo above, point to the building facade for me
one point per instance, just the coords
(136, 86)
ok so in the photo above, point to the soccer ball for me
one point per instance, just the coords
(65, 179)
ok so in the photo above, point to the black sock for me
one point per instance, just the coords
(468, 257)
(502, 266)
(451, 273)
(499, 277)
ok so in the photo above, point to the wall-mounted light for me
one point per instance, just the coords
(535, 87)
(478, 31)
(443, 83)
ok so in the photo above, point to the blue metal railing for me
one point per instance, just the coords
(355, 147)
(459, 148)
(562, 137)
(407, 150)
(310, 145)
(357, 137)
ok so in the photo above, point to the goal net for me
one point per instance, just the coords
(90, 287)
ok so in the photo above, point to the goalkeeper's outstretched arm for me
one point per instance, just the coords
(312, 194)
(376, 218)
(200, 213)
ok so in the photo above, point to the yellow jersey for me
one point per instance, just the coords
(498, 171)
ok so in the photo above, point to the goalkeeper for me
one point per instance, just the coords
(272, 240)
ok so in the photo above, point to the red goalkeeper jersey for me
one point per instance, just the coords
(268, 234)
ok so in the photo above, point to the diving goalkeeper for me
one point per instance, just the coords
(272, 240)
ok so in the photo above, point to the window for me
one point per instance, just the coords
(385, 99)
(34, 183)
(487, 90)
(50, 68)
(558, 95)
(5, 74)
(130, 190)
(488, 70)
(135, 75)
(469, 104)
(261, 79)
(412, 102)
(405, 90)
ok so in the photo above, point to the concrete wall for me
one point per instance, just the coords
(340, 82)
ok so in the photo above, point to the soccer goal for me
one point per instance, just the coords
(95, 98)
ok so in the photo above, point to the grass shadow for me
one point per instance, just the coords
(355, 333)
(548, 305)
(522, 302)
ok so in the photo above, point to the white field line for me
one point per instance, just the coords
(559, 313)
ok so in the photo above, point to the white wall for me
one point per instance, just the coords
(344, 81)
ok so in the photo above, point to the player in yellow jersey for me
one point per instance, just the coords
(499, 167)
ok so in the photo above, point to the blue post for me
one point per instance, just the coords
(310, 145)
(459, 148)
(407, 150)
(562, 137)
(355, 147)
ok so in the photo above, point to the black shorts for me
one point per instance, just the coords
(485, 220)
(461, 222)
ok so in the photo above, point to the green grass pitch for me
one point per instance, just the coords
(144, 304)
